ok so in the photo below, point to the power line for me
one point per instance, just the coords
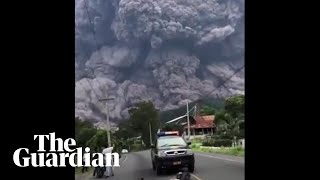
(97, 49)
(225, 80)
(93, 89)
(95, 40)
(90, 20)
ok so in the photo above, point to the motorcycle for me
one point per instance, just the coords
(99, 172)
(183, 176)
(180, 176)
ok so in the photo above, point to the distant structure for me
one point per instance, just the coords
(200, 126)
(103, 126)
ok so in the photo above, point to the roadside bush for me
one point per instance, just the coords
(239, 148)
(222, 142)
(237, 151)
(197, 140)
(193, 146)
(226, 136)
(137, 147)
(208, 142)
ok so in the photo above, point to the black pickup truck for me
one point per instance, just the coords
(171, 151)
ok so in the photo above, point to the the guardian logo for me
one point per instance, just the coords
(57, 156)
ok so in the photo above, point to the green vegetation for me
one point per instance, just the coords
(217, 142)
(84, 131)
(141, 115)
(229, 119)
(144, 116)
(98, 140)
(235, 105)
(196, 140)
(86, 135)
(235, 151)
(78, 170)
(137, 147)
(229, 122)
(207, 110)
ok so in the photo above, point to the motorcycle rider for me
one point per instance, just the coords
(96, 168)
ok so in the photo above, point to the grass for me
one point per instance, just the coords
(196, 140)
(137, 147)
(235, 151)
(78, 170)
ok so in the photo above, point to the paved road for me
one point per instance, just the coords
(208, 166)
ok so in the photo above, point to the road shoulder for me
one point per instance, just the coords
(84, 176)
(224, 157)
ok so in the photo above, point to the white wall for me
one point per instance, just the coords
(241, 142)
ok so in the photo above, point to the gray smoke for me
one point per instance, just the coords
(203, 21)
(166, 51)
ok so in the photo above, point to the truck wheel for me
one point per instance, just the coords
(191, 168)
(99, 173)
(153, 166)
(159, 170)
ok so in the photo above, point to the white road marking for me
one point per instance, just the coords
(218, 158)
(124, 159)
(196, 177)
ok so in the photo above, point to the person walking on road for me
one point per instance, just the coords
(109, 170)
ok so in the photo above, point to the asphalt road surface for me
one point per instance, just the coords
(208, 166)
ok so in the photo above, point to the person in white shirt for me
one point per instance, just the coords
(109, 170)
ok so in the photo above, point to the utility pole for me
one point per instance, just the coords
(188, 121)
(108, 122)
(108, 125)
(195, 114)
(150, 133)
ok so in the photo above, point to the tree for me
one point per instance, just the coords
(122, 136)
(143, 114)
(229, 126)
(207, 110)
(85, 135)
(82, 123)
(235, 105)
(98, 140)
(216, 103)
(84, 131)
(126, 130)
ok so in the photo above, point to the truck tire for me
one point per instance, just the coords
(100, 172)
(153, 166)
(191, 168)
(159, 170)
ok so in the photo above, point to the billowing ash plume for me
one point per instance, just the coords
(204, 21)
(166, 51)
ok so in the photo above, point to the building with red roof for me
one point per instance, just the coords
(201, 125)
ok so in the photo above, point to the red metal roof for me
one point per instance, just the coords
(203, 122)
